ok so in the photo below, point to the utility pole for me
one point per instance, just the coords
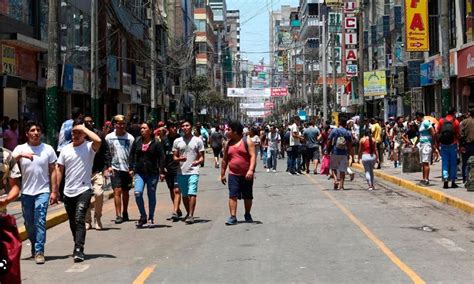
(446, 88)
(94, 50)
(334, 70)
(153, 113)
(324, 71)
(312, 86)
(361, 70)
(51, 84)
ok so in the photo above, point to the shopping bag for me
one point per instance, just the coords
(325, 165)
(10, 250)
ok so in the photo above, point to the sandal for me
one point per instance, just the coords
(336, 186)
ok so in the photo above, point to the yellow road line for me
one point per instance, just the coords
(405, 268)
(144, 275)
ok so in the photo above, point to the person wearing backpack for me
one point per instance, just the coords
(448, 137)
(340, 141)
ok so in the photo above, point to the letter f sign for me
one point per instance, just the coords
(414, 3)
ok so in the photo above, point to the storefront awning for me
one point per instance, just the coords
(24, 41)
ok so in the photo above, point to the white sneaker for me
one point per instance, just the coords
(268, 170)
(274, 171)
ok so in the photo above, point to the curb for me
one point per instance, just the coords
(56, 218)
(430, 193)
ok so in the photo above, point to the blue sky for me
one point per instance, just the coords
(254, 25)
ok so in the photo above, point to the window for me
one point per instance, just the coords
(468, 21)
(200, 25)
(433, 20)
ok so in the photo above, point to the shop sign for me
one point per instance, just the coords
(136, 96)
(375, 83)
(351, 54)
(352, 69)
(269, 105)
(334, 3)
(78, 80)
(68, 78)
(417, 32)
(279, 92)
(8, 60)
(127, 83)
(466, 62)
(252, 105)
(426, 73)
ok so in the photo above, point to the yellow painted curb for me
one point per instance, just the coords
(431, 193)
(55, 218)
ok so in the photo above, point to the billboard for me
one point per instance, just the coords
(375, 83)
(417, 32)
(248, 92)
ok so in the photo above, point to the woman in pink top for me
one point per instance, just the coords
(369, 156)
(240, 155)
(10, 137)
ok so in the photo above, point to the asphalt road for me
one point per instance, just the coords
(304, 232)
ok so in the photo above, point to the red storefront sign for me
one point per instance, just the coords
(279, 92)
(269, 105)
(466, 62)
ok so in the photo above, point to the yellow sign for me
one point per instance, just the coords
(375, 83)
(334, 2)
(335, 118)
(8, 60)
(417, 30)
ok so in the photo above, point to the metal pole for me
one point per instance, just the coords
(334, 71)
(324, 71)
(94, 52)
(361, 70)
(446, 88)
(153, 113)
(312, 87)
(51, 84)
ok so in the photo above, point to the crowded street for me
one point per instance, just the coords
(303, 231)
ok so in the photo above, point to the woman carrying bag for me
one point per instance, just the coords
(369, 156)
(147, 167)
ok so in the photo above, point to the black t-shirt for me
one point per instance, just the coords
(171, 165)
(216, 139)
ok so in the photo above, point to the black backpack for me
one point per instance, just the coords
(446, 135)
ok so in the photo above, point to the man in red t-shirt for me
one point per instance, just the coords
(240, 155)
(448, 136)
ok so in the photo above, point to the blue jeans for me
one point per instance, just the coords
(264, 156)
(449, 161)
(150, 181)
(465, 156)
(293, 158)
(272, 159)
(34, 209)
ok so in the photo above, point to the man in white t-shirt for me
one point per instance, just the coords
(189, 152)
(37, 162)
(120, 142)
(76, 159)
(295, 143)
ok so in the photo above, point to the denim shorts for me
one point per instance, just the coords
(240, 187)
(188, 184)
(121, 179)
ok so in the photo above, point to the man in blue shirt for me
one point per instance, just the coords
(340, 143)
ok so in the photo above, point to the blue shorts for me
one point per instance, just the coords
(188, 184)
(240, 187)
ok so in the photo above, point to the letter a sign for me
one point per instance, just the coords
(416, 12)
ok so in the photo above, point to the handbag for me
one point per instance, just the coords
(325, 165)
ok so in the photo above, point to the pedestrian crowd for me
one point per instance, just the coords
(123, 157)
(132, 156)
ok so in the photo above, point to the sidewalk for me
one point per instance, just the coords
(456, 197)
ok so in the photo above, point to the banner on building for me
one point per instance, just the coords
(248, 92)
(68, 77)
(78, 80)
(252, 105)
(375, 83)
(8, 60)
(417, 32)
(127, 83)
(334, 3)
(279, 92)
